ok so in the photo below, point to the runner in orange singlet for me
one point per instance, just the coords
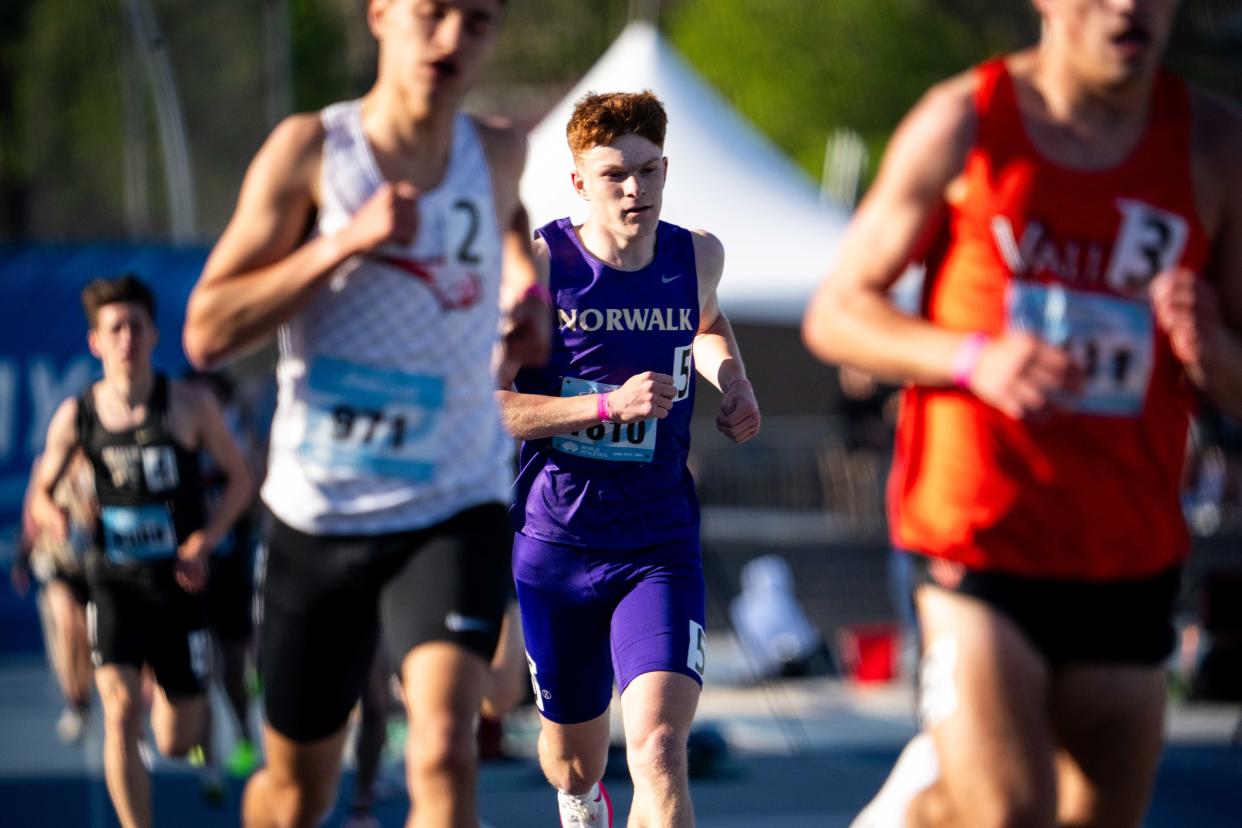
(1079, 213)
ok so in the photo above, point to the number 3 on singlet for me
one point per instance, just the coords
(372, 420)
(634, 442)
(1150, 241)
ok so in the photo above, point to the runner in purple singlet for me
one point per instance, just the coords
(606, 560)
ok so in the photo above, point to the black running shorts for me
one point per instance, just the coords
(229, 591)
(139, 614)
(1072, 622)
(75, 582)
(326, 598)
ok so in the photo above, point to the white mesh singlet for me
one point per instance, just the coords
(386, 418)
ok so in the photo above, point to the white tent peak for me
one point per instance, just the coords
(724, 176)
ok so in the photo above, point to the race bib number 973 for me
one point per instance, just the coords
(634, 442)
(373, 420)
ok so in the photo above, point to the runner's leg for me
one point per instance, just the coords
(443, 687)
(658, 710)
(985, 695)
(1110, 723)
(120, 691)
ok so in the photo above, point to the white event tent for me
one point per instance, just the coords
(724, 176)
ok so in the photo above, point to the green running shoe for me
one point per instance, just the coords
(242, 760)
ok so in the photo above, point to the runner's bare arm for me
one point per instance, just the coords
(260, 272)
(61, 441)
(521, 273)
(19, 572)
(535, 416)
(851, 319)
(717, 356)
(251, 283)
(1204, 316)
(526, 306)
(525, 327)
(215, 438)
(644, 396)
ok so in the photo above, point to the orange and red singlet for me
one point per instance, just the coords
(1068, 255)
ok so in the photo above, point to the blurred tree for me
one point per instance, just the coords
(544, 48)
(800, 68)
(320, 71)
(80, 158)
(1207, 45)
(67, 105)
(14, 173)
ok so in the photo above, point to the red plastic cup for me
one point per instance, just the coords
(869, 651)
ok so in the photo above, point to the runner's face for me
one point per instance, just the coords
(123, 338)
(434, 48)
(1110, 42)
(623, 184)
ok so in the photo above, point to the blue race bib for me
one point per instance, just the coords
(1112, 340)
(138, 532)
(634, 442)
(373, 420)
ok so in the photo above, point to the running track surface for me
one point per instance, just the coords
(803, 754)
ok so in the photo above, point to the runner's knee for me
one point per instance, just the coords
(298, 806)
(573, 775)
(1028, 806)
(443, 746)
(570, 771)
(657, 753)
(174, 741)
(122, 707)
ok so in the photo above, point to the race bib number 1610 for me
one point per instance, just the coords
(634, 442)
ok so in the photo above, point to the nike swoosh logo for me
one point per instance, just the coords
(456, 622)
(667, 279)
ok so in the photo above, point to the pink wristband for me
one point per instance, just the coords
(966, 359)
(538, 291)
(601, 408)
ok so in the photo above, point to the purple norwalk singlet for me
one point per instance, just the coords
(611, 485)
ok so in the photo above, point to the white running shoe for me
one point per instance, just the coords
(71, 726)
(585, 811)
(916, 769)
